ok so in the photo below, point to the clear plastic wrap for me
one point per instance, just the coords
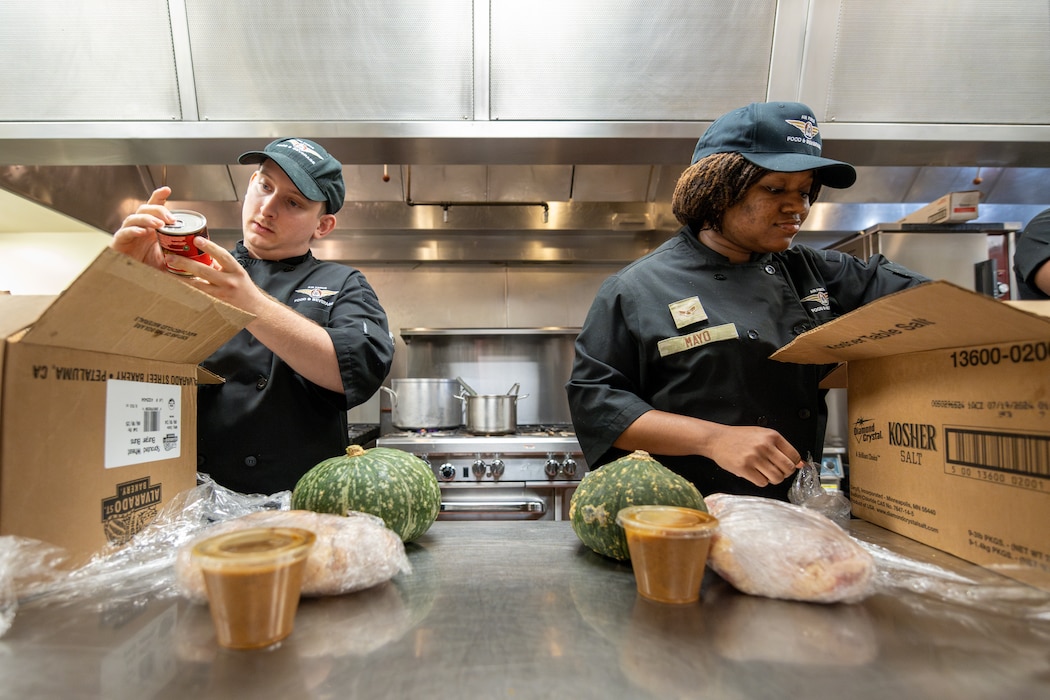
(36, 573)
(352, 552)
(807, 492)
(781, 550)
(978, 589)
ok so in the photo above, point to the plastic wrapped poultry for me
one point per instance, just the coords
(780, 550)
(352, 552)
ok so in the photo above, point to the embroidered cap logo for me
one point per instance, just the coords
(304, 149)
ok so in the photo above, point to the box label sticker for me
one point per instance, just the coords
(143, 423)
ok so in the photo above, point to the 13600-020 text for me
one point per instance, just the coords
(1018, 353)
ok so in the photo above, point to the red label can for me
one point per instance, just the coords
(177, 238)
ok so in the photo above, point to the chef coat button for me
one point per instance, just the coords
(770, 270)
(762, 421)
(251, 461)
(800, 328)
(752, 334)
(261, 383)
(719, 276)
(804, 413)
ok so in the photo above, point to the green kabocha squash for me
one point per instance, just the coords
(633, 480)
(391, 484)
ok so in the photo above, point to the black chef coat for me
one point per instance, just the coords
(632, 355)
(1033, 251)
(266, 425)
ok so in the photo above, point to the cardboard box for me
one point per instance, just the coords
(951, 208)
(98, 401)
(949, 421)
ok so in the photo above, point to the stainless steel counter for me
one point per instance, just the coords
(522, 610)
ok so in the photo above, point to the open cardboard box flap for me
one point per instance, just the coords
(112, 366)
(932, 316)
(124, 307)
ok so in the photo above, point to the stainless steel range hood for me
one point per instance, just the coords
(427, 211)
(487, 117)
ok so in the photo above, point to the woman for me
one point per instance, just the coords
(673, 356)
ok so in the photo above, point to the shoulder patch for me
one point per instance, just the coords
(686, 312)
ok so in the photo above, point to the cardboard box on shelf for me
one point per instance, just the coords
(98, 402)
(949, 421)
(951, 208)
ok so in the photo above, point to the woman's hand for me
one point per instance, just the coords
(761, 455)
(137, 235)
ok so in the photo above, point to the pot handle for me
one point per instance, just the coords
(466, 387)
(519, 397)
(393, 395)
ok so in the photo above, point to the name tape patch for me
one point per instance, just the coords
(681, 343)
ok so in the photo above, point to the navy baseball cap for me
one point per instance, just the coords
(314, 171)
(780, 136)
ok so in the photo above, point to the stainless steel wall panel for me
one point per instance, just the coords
(333, 60)
(939, 61)
(611, 183)
(480, 296)
(70, 60)
(940, 256)
(447, 183)
(626, 60)
(529, 183)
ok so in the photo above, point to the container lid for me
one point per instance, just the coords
(254, 547)
(667, 521)
(186, 222)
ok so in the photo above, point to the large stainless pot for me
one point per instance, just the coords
(492, 414)
(425, 404)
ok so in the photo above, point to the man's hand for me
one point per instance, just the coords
(224, 279)
(137, 235)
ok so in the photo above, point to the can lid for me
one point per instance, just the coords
(667, 521)
(255, 547)
(186, 222)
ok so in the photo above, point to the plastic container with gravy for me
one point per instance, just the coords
(253, 578)
(669, 547)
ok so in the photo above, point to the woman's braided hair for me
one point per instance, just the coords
(708, 187)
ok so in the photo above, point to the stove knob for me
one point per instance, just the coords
(497, 468)
(568, 467)
(478, 468)
(446, 472)
(551, 468)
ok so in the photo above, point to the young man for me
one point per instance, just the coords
(319, 344)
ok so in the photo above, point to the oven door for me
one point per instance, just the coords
(513, 500)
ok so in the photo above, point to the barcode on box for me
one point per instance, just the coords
(1018, 453)
(150, 420)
